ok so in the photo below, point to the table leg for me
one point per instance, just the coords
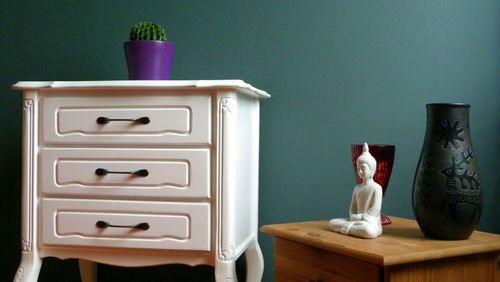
(29, 268)
(88, 270)
(255, 262)
(225, 271)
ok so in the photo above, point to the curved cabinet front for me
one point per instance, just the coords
(126, 173)
(126, 224)
(126, 118)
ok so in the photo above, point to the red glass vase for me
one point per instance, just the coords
(384, 154)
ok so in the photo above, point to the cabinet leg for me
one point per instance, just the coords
(255, 262)
(88, 270)
(29, 268)
(225, 271)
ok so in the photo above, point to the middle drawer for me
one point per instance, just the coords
(125, 173)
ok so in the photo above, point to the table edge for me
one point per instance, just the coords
(380, 260)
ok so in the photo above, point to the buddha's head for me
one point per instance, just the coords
(366, 164)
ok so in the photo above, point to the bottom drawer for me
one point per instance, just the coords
(126, 224)
(298, 262)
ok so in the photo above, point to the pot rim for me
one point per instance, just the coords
(448, 105)
(129, 42)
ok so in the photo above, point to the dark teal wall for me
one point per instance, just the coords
(339, 71)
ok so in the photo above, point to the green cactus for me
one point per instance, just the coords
(148, 31)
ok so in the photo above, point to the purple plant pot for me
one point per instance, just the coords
(149, 59)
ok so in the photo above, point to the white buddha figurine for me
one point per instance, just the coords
(364, 214)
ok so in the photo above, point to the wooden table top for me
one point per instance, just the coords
(401, 242)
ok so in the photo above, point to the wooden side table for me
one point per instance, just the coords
(309, 251)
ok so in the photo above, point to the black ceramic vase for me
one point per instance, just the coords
(447, 197)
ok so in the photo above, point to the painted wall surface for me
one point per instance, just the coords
(339, 72)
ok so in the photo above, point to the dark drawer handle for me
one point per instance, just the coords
(105, 224)
(105, 120)
(140, 172)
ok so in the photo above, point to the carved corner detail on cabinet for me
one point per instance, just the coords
(227, 104)
(28, 174)
(19, 275)
(226, 254)
(25, 245)
(28, 104)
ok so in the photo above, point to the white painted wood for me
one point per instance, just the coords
(247, 175)
(29, 268)
(183, 173)
(173, 119)
(226, 177)
(236, 84)
(225, 271)
(172, 225)
(30, 264)
(129, 257)
(255, 262)
(199, 198)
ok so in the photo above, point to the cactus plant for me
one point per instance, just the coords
(148, 31)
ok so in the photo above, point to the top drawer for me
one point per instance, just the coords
(113, 119)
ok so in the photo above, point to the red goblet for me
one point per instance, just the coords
(384, 154)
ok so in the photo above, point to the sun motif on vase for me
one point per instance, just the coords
(448, 133)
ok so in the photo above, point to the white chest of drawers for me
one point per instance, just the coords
(138, 173)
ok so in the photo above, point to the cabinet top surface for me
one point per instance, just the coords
(144, 84)
(401, 242)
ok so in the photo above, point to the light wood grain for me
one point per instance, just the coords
(401, 242)
(309, 251)
(299, 262)
(477, 268)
